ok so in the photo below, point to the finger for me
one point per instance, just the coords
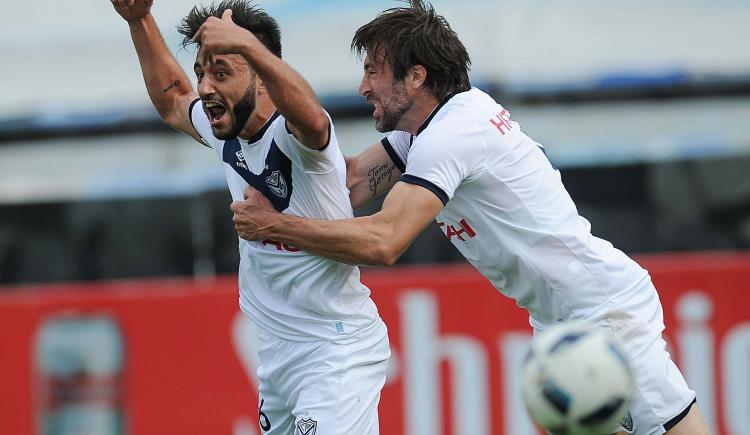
(227, 15)
(198, 35)
(235, 206)
(248, 192)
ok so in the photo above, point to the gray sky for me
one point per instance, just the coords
(76, 55)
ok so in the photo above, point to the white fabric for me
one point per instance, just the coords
(661, 392)
(509, 214)
(331, 387)
(511, 217)
(290, 293)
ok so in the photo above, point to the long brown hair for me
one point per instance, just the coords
(417, 35)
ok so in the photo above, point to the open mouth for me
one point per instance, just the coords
(215, 111)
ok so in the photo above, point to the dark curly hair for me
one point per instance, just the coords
(417, 35)
(244, 14)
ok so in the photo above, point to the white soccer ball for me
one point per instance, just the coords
(577, 380)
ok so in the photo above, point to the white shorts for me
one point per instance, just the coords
(662, 397)
(321, 387)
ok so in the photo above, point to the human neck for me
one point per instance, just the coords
(264, 108)
(413, 119)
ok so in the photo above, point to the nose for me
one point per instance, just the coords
(364, 87)
(206, 87)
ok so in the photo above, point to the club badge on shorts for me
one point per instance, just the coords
(307, 426)
(627, 422)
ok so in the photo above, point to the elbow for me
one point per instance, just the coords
(318, 130)
(166, 112)
(321, 126)
(386, 254)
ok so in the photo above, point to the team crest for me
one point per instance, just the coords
(307, 426)
(240, 159)
(277, 185)
(627, 422)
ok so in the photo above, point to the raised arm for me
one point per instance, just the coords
(167, 84)
(377, 240)
(288, 90)
(370, 174)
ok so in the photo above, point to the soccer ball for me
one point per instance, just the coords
(576, 380)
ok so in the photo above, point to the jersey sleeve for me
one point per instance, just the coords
(397, 146)
(441, 162)
(310, 160)
(202, 125)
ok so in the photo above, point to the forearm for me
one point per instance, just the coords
(165, 80)
(358, 241)
(289, 91)
(370, 174)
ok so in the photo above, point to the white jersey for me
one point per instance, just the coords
(291, 293)
(507, 211)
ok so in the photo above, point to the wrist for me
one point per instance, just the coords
(139, 21)
(249, 47)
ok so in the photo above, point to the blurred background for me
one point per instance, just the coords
(644, 106)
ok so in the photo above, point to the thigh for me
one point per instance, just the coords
(661, 393)
(274, 418)
(345, 400)
(692, 424)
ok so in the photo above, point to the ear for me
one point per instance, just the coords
(260, 87)
(416, 76)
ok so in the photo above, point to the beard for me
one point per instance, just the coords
(397, 105)
(240, 114)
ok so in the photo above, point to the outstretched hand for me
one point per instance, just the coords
(131, 10)
(253, 215)
(221, 36)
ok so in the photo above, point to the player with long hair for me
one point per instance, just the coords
(465, 162)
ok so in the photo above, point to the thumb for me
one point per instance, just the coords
(247, 192)
(198, 35)
(227, 15)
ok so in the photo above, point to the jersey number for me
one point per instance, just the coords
(265, 423)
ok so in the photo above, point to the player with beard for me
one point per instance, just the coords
(323, 347)
(466, 163)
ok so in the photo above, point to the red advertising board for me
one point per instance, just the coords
(177, 357)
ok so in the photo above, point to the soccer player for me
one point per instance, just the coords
(465, 162)
(324, 348)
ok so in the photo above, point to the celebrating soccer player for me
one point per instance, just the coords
(324, 348)
(465, 162)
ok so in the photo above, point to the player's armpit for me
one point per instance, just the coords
(317, 134)
(370, 174)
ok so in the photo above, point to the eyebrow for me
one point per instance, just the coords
(219, 62)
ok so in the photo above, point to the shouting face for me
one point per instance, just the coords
(387, 95)
(226, 86)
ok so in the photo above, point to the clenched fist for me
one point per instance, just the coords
(131, 10)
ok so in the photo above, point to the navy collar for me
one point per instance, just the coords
(434, 112)
(259, 134)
